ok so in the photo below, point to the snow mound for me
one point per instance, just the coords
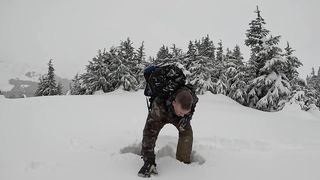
(99, 93)
(315, 111)
(291, 107)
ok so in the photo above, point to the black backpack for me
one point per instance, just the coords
(163, 81)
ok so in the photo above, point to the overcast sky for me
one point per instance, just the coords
(71, 31)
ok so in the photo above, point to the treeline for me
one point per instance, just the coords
(266, 81)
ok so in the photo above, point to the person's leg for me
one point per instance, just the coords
(151, 131)
(150, 135)
(184, 147)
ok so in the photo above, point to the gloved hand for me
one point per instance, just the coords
(184, 122)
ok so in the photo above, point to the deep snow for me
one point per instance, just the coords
(97, 137)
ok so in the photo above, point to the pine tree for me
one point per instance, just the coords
(190, 55)
(256, 36)
(162, 54)
(312, 80)
(97, 73)
(199, 63)
(237, 54)
(313, 83)
(270, 86)
(121, 67)
(122, 76)
(219, 76)
(221, 85)
(313, 73)
(125, 71)
(141, 54)
(201, 74)
(229, 54)
(47, 85)
(175, 57)
(59, 89)
(126, 50)
(292, 64)
(191, 49)
(220, 56)
(205, 47)
(303, 95)
(141, 64)
(176, 52)
(235, 76)
(209, 49)
(76, 86)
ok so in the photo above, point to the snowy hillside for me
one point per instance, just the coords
(97, 137)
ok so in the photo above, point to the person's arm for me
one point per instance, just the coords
(185, 121)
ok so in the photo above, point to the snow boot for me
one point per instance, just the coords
(147, 169)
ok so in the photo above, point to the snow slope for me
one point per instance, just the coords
(97, 137)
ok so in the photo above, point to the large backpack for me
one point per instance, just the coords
(163, 81)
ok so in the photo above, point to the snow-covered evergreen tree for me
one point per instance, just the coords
(220, 56)
(141, 55)
(205, 47)
(76, 86)
(199, 62)
(292, 64)
(235, 75)
(222, 86)
(270, 85)
(141, 64)
(200, 74)
(134, 61)
(47, 85)
(318, 89)
(190, 55)
(127, 51)
(121, 67)
(59, 88)
(162, 54)
(96, 77)
(121, 75)
(175, 51)
(313, 84)
(303, 95)
(237, 54)
(256, 36)
(176, 56)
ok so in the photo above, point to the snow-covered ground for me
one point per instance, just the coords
(97, 137)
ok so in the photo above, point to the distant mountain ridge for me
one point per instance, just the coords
(27, 88)
(19, 80)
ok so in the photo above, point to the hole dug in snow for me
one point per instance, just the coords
(166, 151)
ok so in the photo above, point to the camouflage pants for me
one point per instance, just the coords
(157, 118)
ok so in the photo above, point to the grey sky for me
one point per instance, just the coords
(71, 31)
